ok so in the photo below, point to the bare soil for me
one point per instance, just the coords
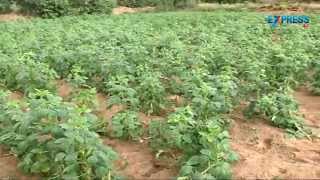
(270, 7)
(266, 152)
(123, 10)
(105, 112)
(137, 161)
(64, 89)
(8, 167)
(11, 17)
(16, 96)
(309, 107)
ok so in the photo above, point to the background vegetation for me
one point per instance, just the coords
(5, 6)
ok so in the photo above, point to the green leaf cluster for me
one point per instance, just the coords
(53, 138)
(282, 110)
(126, 125)
(204, 143)
(56, 8)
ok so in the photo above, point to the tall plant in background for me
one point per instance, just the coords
(56, 8)
(26, 74)
(5, 6)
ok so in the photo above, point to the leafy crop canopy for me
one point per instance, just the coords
(212, 61)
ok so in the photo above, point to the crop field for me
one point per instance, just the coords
(80, 97)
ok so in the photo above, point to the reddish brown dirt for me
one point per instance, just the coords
(64, 89)
(266, 152)
(147, 118)
(16, 96)
(105, 112)
(137, 161)
(8, 167)
(177, 100)
(309, 107)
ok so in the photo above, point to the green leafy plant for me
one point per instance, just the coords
(27, 75)
(204, 143)
(215, 156)
(85, 98)
(53, 138)
(56, 8)
(282, 110)
(120, 91)
(212, 63)
(176, 132)
(315, 84)
(77, 77)
(126, 125)
(151, 92)
(5, 6)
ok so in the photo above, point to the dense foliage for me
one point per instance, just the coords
(212, 61)
(282, 110)
(26, 75)
(126, 125)
(53, 138)
(204, 142)
(5, 5)
(55, 8)
(85, 98)
(315, 79)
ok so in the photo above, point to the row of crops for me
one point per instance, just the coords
(213, 61)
